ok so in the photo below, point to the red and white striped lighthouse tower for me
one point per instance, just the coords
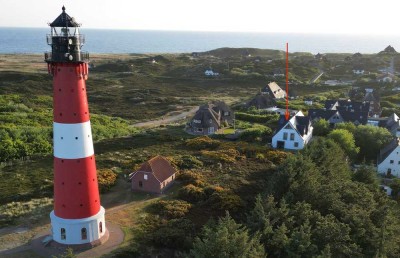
(77, 217)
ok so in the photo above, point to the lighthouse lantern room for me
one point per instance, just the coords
(78, 217)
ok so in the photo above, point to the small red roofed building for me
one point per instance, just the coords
(153, 176)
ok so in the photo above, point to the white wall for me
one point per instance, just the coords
(73, 228)
(395, 166)
(289, 144)
(72, 141)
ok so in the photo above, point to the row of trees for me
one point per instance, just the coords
(314, 206)
(360, 143)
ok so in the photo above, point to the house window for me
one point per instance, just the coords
(140, 184)
(145, 177)
(296, 144)
(285, 136)
(391, 161)
(63, 234)
(83, 233)
(292, 136)
(226, 113)
(200, 129)
(398, 162)
(101, 227)
(211, 130)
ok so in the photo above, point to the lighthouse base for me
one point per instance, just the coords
(79, 231)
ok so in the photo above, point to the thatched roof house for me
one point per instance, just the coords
(261, 101)
(206, 121)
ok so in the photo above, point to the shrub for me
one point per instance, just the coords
(106, 179)
(210, 189)
(277, 157)
(175, 233)
(255, 134)
(191, 193)
(256, 118)
(202, 142)
(190, 177)
(185, 162)
(228, 156)
(171, 209)
(225, 200)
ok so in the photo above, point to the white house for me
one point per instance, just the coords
(358, 71)
(293, 134)
(389, 159)
(308, 102)
(210, 72)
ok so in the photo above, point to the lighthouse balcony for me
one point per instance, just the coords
(73, 57)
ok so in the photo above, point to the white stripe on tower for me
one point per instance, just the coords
(72, 141)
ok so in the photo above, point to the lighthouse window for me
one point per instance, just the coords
(101, 227)
(84, 233)
(145, 177)
(76, 138)
(63, 234)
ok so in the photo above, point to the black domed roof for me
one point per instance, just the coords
(64, 20)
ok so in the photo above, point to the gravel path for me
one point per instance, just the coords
(166, 120)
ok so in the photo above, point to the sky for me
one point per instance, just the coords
(370, 17)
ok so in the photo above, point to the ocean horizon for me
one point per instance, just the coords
(33, 41)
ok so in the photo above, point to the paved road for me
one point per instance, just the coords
(313, 80)
(166, 120)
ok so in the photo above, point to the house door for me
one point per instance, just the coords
(280, 145)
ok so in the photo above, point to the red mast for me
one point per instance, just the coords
(77, 217)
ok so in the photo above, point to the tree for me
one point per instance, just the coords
(226, 239)
(296, 179)
(366, 175)
(329, 158)
(347, 126)
(346, 140)
(371, 139)
(321, 127)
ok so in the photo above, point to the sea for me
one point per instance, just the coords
(33, 40)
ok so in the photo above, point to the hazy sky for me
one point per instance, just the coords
(316, 16)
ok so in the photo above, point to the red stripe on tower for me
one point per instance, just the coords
(78, 217)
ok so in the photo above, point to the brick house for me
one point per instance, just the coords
(153, 176)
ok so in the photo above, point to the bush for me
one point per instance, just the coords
(256, 118)
(191, 193)
(277, 157)
(225, 200)
(190, 177)
(228, 156)
(255, 134)
(175, 233)
(106, 179)
(185, 162)
(202, 142)
(171, 209)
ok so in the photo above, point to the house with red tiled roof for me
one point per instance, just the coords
(153, 176)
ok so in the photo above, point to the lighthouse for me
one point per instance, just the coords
(78, 217)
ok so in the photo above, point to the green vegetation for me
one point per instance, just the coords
(304, 204)
(226, 239)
